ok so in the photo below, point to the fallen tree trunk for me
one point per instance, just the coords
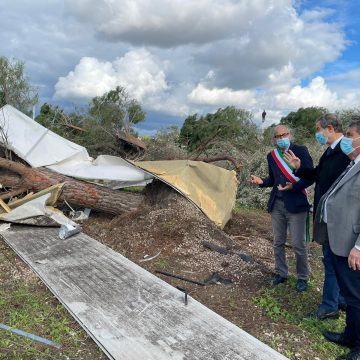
(20, 178)
(238, 166)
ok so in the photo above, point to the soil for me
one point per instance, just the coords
(167, 234)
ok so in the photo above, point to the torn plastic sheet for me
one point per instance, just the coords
(31, 211)
(39, 146)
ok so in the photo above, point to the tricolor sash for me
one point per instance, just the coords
(285, 167)
(287, 170)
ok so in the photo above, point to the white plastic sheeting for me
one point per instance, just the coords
(39, 146)
(36, 208)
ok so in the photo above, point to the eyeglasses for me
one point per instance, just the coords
(279, 136)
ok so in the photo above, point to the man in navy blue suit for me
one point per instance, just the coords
(287, 208)
(332, 163)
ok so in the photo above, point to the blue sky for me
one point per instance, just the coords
(345, 13)
(180, 57)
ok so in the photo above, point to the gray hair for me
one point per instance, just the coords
(355, 124)
(291, 131)
(331, 119)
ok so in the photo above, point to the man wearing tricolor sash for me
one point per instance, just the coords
(288, 209)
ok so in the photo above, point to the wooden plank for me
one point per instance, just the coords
(4, 206)
(129, 312)
(54, 190)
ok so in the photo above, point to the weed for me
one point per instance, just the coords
(161, 263)
(283, 303)
(271, 306)
(26, 305)
(168, 226)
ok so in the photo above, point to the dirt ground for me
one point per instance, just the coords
(175, 230)
(168, 233)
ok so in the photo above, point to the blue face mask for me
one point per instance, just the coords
(321, 138)
(283, 143)
(346, 145)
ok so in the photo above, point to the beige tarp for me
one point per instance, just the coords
(211, 188)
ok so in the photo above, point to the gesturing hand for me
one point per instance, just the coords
(292, 159)
(255, 180)
(287, 187)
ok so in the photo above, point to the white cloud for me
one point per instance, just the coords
(274, 39)
(316, 93)
(222, 97)
(352, 75)
(166, 23)
(90, 78)
(317, 14)
(195, 55)
(242, 41)
(281, 80)
(138, 71)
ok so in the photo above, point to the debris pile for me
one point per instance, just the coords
(172, 232)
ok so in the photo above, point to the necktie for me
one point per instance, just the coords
(329, 151)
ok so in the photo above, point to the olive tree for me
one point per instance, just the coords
(15, 88)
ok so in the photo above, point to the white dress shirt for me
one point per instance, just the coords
(333, 145)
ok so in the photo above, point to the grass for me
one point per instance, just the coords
(283, 304)
(241, 208)
(286, 307)
(161, 263)
(168, 226)
(26, 304)
(134, 189)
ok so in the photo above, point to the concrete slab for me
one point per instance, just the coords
(130, 313)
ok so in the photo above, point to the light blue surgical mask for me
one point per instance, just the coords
(346, 145)
(283, 143)
(321, 138)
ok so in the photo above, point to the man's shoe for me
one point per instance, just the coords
(278, 279)
(301, 285)
(337, 338)
(354, 354)
(342, 307)
(322, 315)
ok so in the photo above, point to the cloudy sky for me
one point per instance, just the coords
(179, 57)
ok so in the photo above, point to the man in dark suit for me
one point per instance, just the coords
(332, 163)
(287, 208)
(337, 221)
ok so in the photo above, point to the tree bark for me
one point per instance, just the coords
(238, 165)
(20, 178)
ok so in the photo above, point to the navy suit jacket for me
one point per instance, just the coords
(331, 165)
(295, 200)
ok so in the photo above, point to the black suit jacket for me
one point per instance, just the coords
(294, 200)
(328, 170)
